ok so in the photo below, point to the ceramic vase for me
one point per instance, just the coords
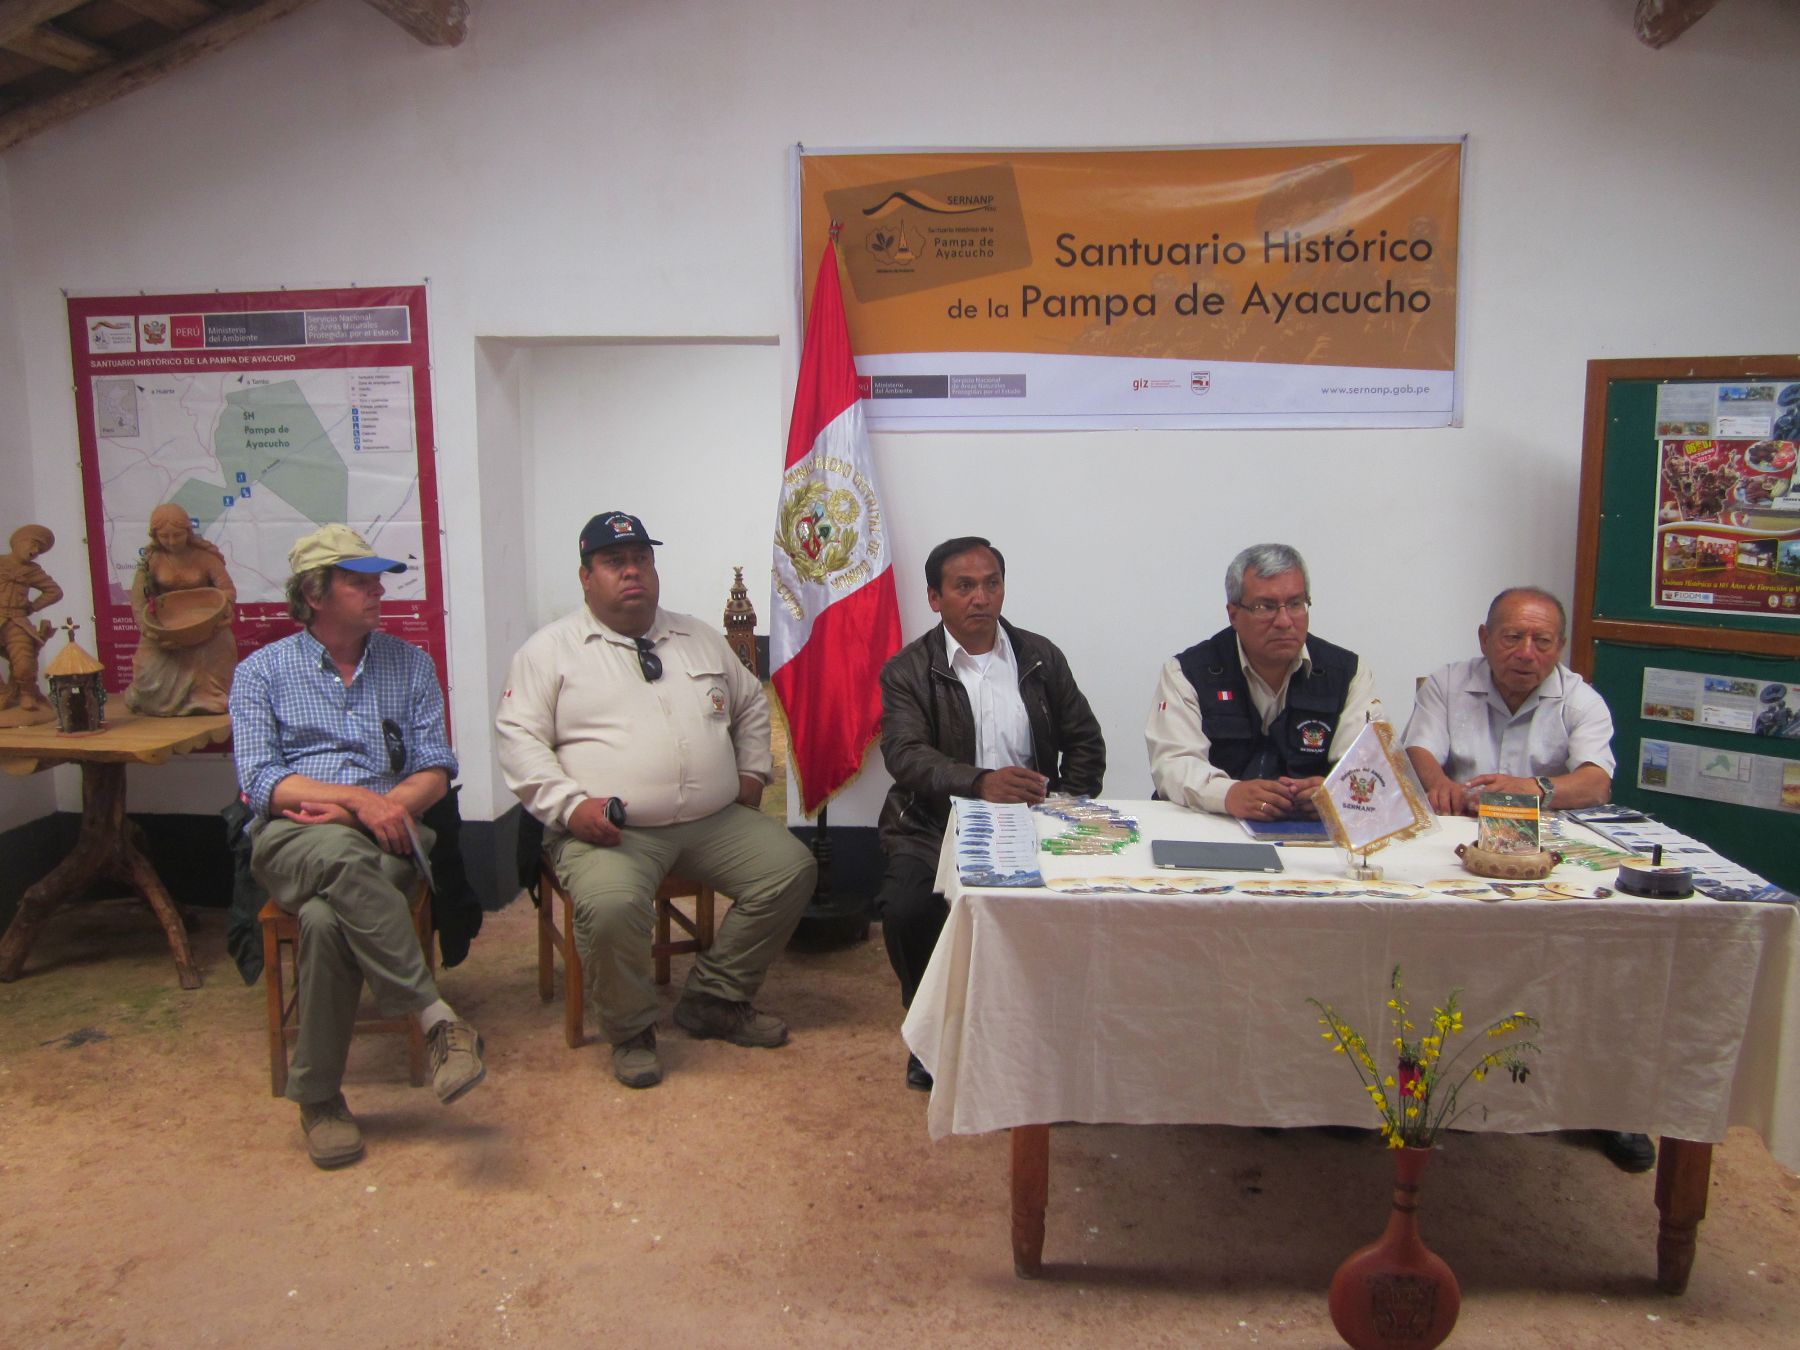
(1395, 1293)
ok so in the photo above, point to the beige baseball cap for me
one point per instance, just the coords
(338, 546)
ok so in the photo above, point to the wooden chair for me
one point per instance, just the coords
(281, 930)
(553, 900)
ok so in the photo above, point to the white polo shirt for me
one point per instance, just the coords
(1460, 719)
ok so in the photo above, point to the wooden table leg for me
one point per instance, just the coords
(106, 848)
(1030, 1192)
(1683, 1173)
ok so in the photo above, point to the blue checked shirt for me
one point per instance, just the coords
(290, 713)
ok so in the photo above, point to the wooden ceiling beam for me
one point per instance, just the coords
(1660, 22)
(175, 15)
(53, 47)
(134, 73)
(21, 16)
(436, 23)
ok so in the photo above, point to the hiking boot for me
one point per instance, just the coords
(332, 1136)
(455, 1050)
(704, 1017)
(634, 1060)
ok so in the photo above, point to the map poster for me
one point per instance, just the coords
(264, 414)
(1728, 498)
(1227, 286)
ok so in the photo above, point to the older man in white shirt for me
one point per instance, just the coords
(1514, 720)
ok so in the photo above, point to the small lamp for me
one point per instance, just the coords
(75, 688)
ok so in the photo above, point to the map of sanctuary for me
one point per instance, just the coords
(257, 460)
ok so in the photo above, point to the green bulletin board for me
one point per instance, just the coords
(1619, 631)
(1764, 841)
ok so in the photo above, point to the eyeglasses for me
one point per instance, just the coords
(1264, 611)
(648, 661)
(395, 742)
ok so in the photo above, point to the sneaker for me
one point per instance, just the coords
(704, 1017)
(1627, 1152)
(634, 1060)
(332, 1136)
(455, 1050)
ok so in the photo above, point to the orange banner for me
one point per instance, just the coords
(1324, 258)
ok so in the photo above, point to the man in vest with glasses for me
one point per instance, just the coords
(338, 733)
(1248, 722)
(642, 743)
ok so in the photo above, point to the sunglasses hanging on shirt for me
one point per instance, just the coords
(395, 742)
(648, 661)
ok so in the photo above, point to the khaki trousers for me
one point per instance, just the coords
(765, 870)
(354, 903)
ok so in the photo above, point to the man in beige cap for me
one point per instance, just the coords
(338, 732)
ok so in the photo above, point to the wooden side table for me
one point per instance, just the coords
(108, 845)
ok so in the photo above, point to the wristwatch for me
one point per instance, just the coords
(1546, 790)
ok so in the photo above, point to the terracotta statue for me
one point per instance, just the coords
(183, 600)
(22, 701)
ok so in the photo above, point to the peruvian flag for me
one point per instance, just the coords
(836, 620)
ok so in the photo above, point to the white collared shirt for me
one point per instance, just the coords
(1461, 721)
(1002, 729)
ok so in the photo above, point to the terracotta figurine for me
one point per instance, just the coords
(20, 576)
(183, 600)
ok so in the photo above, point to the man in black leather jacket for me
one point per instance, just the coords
(974, 708)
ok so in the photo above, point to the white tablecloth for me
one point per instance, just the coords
(1676, 1018)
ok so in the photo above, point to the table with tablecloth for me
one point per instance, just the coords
(1676, 1018)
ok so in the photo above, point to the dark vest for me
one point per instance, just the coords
(1298, 742)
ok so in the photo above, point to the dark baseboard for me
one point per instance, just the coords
(855, 864)
(31, 850)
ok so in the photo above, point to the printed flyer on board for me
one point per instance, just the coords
(1730, 702)
(1716, 775)
(1728, 505)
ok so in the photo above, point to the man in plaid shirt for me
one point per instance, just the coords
(338, 732)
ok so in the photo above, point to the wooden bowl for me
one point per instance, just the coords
(186, 618)
(1508, 866)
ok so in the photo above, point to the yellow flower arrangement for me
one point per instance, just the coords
(1426, 1086)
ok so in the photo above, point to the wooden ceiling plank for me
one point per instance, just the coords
(64, 51)
(175, 15)
(136, 72)
(436, 23)
(21, 16)
(1660, 22)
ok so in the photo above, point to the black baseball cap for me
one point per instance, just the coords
(613, 527)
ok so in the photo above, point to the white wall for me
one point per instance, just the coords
(580, 171)
(21, 799)
(689, 426)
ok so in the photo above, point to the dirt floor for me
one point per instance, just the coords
(154, 1194)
